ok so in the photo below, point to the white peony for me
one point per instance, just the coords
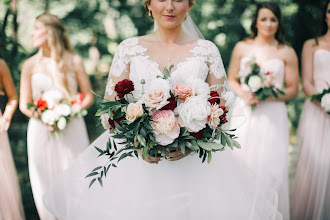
(61, 124)
(53, 97)
(105, 121)
(200, 87)
(255, 83)
(156, 96)
(325, 102)
(49, 117)
(229, 96)
(62, 109)
(193, 113)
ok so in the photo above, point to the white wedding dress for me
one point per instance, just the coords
(182, 190)
(49, 155)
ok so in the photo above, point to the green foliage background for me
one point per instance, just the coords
(224, 22)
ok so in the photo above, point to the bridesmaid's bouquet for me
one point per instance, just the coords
(187, 116)
(323, 98)
(260, 83)
(55, 111)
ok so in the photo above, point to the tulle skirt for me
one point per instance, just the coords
(179, 190)
(311, 195)
(264, 138)
(49, 155)
(11, 207)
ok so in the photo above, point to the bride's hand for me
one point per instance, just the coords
(149, 158)
(176, 154)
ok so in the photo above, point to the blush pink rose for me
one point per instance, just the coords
(182, 91)
(166, 126)
(134, 111)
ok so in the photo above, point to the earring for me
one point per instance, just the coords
(149, 13)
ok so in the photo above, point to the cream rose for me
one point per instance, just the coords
(61, 124)
(255, 83)
(62, 109)
(166, 126)
(134, 111)
(182, 91)
(156, 96)
(325, 102)
(214, 116)
(193, 113)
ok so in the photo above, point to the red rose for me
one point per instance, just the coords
(197, 135)
(124, 87)
(170, 106)
(214, 100)
(41, 104)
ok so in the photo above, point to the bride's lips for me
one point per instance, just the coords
(169, 16)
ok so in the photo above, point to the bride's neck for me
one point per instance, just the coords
(266, 41)
(170, 35)
(327, 35)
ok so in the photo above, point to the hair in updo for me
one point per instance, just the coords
(146, 2)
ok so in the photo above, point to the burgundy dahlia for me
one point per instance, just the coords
(213, 98)
(171, 105)
(124, 87)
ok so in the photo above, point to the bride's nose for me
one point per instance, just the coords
(169, 5)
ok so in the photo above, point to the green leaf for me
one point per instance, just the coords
(97, 168)
(91, 183)
(209, 156)
(141, 140)
(195, 145)
(92, 174)
(237, 145)
(230, 142)
(223, 139)
(99, 150)
(145, 152)
(183, 148)
(204, 145)
(100, 181)
(122, 157)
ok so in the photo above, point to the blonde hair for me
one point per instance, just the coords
(146, 2)
(58, 43)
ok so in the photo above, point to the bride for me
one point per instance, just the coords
(178, 188)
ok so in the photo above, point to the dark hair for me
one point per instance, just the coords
(324, 25)
(279, 36)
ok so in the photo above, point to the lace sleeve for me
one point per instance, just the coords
(119, 70)
(218, 73)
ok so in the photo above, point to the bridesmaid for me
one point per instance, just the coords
(54, 72)
(311, 194)
(11, 207)
(264, 136)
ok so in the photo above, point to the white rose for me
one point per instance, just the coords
(156, 96)
(255, 83)
(105, 121)
(61, 124)
(52, 97)
(200, 87)
(75, 108)
(62, 109)
(166, 126)
(214, 116)
(49, 117)
(134, 111)
(229, 96)
(193, 113)
(325, 102)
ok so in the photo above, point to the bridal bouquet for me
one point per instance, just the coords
(260, 83)
(55, 111)
(165, 116)
(323, 98)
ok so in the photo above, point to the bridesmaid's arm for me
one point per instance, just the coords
(83, 82)
(291, 75)
(233, 70)
(25, 88)
(307, 68)
(9, 88)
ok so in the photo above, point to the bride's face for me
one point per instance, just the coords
(327, 16)
(169, 13)
(39, 34)
(267, 23)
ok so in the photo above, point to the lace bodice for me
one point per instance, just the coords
(321, 74)
(273, 65)
(202, 59)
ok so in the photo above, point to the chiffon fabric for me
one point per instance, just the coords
(179, 190)
(49, 155)
(11, 207)
(264, 135)
(311, 194)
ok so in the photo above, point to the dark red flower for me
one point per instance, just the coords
(214, 100)
(124, 87)
(118, 120)
(171, 105)
(197, 135)
(41, 104)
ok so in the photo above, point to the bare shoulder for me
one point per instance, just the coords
(29, 64)
(76, 59)
(287, 52)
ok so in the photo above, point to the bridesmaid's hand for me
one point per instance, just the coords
(4, 124)
(249, 98)
(176, 154)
